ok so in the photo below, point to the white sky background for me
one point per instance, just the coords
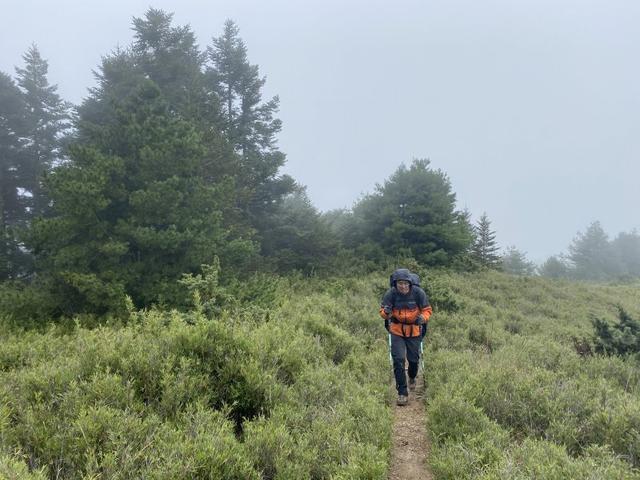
(531, 107)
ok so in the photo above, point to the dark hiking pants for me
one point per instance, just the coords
(402, 348)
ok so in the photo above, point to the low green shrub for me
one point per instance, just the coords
(272, 389)
(467, 459)
(621, 338)
(14, 467)
(505, 366)
(452, 418)
(542, 459)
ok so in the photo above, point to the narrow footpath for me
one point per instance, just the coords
(410, 445)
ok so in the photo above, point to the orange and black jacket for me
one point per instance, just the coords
(405, 310)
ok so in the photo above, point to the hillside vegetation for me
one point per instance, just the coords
(510, 397)
(293, 384)
(291, 380)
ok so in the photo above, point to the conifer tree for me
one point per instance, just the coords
(300, 238)
(47, 118)
(485, 247)
(170, 56)
(554, 267)
(245, 157)
(13, 204)
(626, 250)
(133, 211)
(414, 211)
(250, 126)
(591, 254)
(515, 262)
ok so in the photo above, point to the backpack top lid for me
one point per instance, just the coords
(400, 274)
(415, 279)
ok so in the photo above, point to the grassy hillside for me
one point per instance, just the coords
(292, 384)
(290, 380)
(509, 397)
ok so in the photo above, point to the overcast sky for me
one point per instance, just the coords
(531, 107)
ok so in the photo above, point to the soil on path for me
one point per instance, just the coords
(410, 444)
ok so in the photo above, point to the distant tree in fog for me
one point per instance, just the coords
(591, 255)
(47, 117)
(515, 262)
(13, 211)
(554, 267)
(485, 247)
(626, 248)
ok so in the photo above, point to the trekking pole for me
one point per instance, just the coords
(422, 348)
(390, 357)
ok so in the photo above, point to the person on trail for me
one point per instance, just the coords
(406, 311)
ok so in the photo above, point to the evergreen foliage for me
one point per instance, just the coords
(13, 204)
(219, 92)
(626, 254)
(47, 118)
(169, 55)
(515, 262)
(593, 257)
(622, 338)
(33, 120)
(413, 212)
(161, 178)
(554, 267)
(485, 247)
(591, 254)
(250, 126)
(133, 211)
(300, 238)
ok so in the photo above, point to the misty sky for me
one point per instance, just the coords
(531, 107)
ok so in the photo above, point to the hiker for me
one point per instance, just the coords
(406, 311)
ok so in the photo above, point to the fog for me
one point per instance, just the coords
(532, 107)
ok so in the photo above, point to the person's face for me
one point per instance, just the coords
(403, 286)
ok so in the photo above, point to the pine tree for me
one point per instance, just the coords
(250, 126)
(626, 251)
(169, 55)
(485, 247)
(299, 239)
(554, 267)
(413, 212)
(13, 204)
(133, 211)
(591, 254)
(47, 119)
(515, 262)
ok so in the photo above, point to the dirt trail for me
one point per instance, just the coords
(410, 444)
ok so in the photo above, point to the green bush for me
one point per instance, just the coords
(505, 367)
(620, 339)
(272, 389)
(541, 459)
(14, 467)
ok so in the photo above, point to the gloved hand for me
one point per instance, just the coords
(387, 310)
(420, 320)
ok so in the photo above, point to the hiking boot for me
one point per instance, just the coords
(412, 384)
(402, 400)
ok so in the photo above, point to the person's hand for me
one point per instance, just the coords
(387, 310)
(420, 320)
(424, 327)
